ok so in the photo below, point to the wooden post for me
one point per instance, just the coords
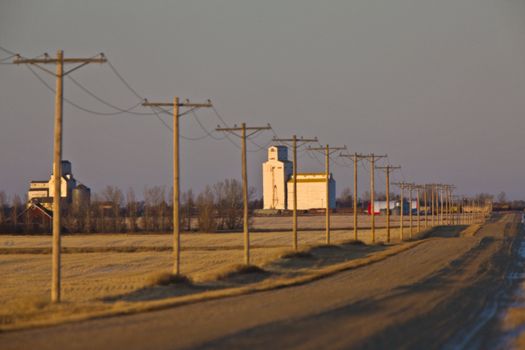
(57, 178)
(387, 180)
(294, 140)
(401, 212)
(372, 199)
(327, 170)
(410, 209)
(432, 211)
(441, 204)
(245, 198)
(327, 150)
(355, 196)
(425, 200)
(176, 188)
(176, 104)
(387, 170)
(243, 136)
(294, 228)
(59, 61)
(418, 208)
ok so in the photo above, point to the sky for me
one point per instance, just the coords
(439, 86)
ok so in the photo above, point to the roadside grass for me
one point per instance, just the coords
(239, 270)
(299, 254)
(166, 278)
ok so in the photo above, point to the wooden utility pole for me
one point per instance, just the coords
(410, 191)
(402, 186)
(441, 204)
(418, 208)
(253, 130)
(59, 61)
(327, 152)
(372, 158)
(176, 104)
(294, 141)
(355, 158)
(425, 200)
(387, 170)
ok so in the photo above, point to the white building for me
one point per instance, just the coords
(278, 184)
(276, 172)
(43, 192)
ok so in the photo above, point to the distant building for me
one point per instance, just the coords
(278, 184)
(42, 192)
(311, 191)
(380, 206)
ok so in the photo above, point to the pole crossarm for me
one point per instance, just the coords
(299, 140)
(353, 156)
(374, 157)
(186, 103)
(240, 128)
(331, 150)
(388, 168)
(52, 60)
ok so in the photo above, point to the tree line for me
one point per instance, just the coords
(218, 207)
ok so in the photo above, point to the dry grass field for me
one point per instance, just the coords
(103, 269)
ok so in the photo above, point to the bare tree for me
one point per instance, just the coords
(155, 208)
(502, 197)
(16, 209)
(206, 210)
(345, 200)
(229, 203)
(114, 198)
(3, 206)
(131, 210)
(188, 203)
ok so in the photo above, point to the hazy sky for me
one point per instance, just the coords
(438, 85)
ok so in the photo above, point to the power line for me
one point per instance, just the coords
(7, 51)
(50, 88)
(204, 129)
(121, 78)
(121, 110)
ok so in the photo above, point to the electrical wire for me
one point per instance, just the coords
(119, 109)
(121, 78)
(7, 51)
(70, 101)
(204, 129)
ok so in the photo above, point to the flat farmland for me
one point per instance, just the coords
(98, 269)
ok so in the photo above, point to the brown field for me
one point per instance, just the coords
(103, 269)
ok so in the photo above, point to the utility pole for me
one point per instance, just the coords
(59, 61)
(327, 152)
(402, 186)
(410, 191)
(387, 170)
(425, 200)
(418, 208)
(253, 130)
(372, 158)
(294, 141)
(441, 204)
(355, 158)
(176, 104)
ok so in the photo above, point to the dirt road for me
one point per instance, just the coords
(433, 296)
